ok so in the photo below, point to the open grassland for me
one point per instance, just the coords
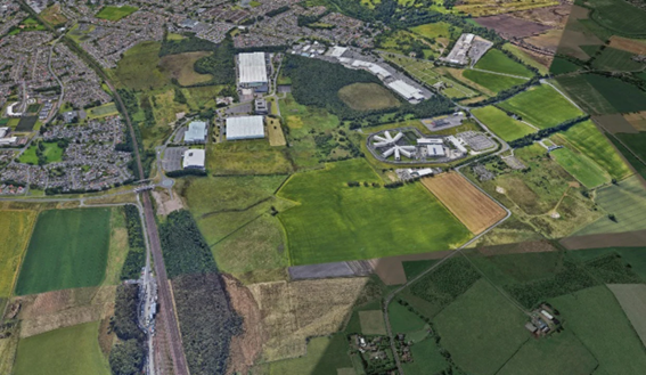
(563, 66)
(599, 94)
(619, 16)
(109, 109)
(437, 31)
(180, 67)
(496, 61)
(53, 15)
(325, 355)
(335, 222)
(471, 206)
(15, 229)
(68, 249)
(615, 60)
(561, 354)
(372, 322)
(596, 318)
(504, 126)
(525, 262)
(627, 202)
(113, 13)
(71, 351)
(636, 142)
(481, 329)
(481, 8)
(526, 57)
(542, 106)
(632, 298)
(581, 167)
(403, 320)
(368, 96)
(275, 132)
(247, 157)
(8, 346)
(51, 152)
(428, 359)
(589, 141)
(491, 81)
(139, 68)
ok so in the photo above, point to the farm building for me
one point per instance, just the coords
(194, 159)
(245, 127)
(252, 71)
(407, 91)
(196, 132)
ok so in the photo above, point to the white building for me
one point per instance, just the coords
(435, 150)
(194, 159)
(410, 93)
(196, 132)
(252, 71)
(245, 127)
(8, 141)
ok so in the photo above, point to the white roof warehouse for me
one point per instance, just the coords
(245, 127)
(196, 132)
(252, 68)
(194, 159)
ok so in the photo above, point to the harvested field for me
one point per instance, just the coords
(637, 120)
(471, 206)
(629, 45)
(632, 298)
(571, 41)
(615, 123)
(511, 27)
(548, 41)
(292, 312)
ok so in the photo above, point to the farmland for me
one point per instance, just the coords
(632, 298)
(15, 228)
(324, 356)
(472, 207)
(636, 142)
(491, 81)
(542, 107)
(619, 16)
(68, 249)
(113, 13)
(496, 61)
(504, 126)
(367, 96)
(335, 222)
(616, 60)
(74, 351)
(599, 94)
(581, 167)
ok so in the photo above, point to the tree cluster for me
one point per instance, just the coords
(127, 357)
(135, 260)
(220, 64)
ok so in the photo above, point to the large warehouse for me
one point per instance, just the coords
(245, 127)
(252, 71)
(194, 159)
(196, 132)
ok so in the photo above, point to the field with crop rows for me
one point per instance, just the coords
(496, 61)
(581, 167)
(504, 126)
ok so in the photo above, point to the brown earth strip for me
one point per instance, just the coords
(634, 46)
(637, 120)
(614, 123)
(511, 27)
(599, 241)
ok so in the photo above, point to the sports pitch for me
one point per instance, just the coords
(334, 222)
(112, 13)
(504, 126)
(68, 249)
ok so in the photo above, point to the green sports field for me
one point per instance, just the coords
(70, 351)
(542, 106)
(496, 61)
(335, 222)
(491, 81)
(68, 249)
(581, 167)
(112, 13)
(504, 126)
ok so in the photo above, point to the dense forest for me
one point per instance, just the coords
(207, 322)
(127, 356)
(136, 257)
(189, 44)
(185, 250)
(220, 64)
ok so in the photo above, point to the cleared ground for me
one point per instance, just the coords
(15, 229)
(180, 67)
(68, 249)
(368, 96)
(581, 167)
(504, 126)
(335, 222)
(471, 206)
(632, 298)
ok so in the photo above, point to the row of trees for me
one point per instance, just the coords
(136, 258)
(127, 356)
(543, 133)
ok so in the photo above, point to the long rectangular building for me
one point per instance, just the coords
(245, 127)
(252, 70)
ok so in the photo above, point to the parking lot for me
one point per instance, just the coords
(172, 160)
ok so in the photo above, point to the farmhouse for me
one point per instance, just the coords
(252, 71)
(245, 127)
(196, 132)
(194, 159)
(407, 91)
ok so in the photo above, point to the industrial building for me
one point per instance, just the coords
(410, 93)
(434, 150)
(196, 132)
(245, 127)
(261, 107)
(252, 71)
(194, 159)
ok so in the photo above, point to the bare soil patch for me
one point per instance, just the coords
(554, 17)
(165, 203)
(517, 248)
(548, 41)
(599, 241)
(180, 67)
(633, 46)
(614, 123)
(510, 27)
(571, 41)
(637, 120)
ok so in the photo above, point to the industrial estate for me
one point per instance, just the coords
(337, 187)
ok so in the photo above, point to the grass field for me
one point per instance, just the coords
(437, 30)
(632, 298)
(53, 15)
(139, 68)
(404, 321)
(526, 58)
(112, 13)
(481, 8)
(275, 132)
(563, 66)
(68, 249)
(481, 329)
(635, 141)
(635, 256)
(596, 318)
(109, 109)
(496, 61)
(615, 60)
(493, 82)
(247, 157)
(581, 167)
(71, 351)
(372, 322)
(599, 94)
(324, 356)
(542, 107)
(180, 67)
(627, 201)
(15, 228)
(427, 359)
(368, 96)
(471, 206)
(334, 222)
(504, 126)
(619, 16)
(52, 153)
(589, 141)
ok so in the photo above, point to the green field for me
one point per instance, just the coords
(542, 107)
(596, 318)
(496, 61)
(112, 13)
(627, 201)
(481, 329)
(247, 157)
(615, 60)
(635, 142)
(404, 321)
(334, 222)
(109, 109)
(525, 57)
(68, 249)
(70, 351)
(427, 359)
(139, 68)
(437, 30)
(372, 322)
(504, 126)
(324, 356)
(563, 66)
(589, 141)
(581, 167)
(368, 96)
(491, 81)
(633, 256)
(619, 16)
(598, 94)
(52, 153)
(15, 229)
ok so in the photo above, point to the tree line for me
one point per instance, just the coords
(136, 258)
(127, 355)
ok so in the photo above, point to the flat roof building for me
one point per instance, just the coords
(409, 92)
(261, 107)
(196, 132)
(434, 150)
(194, 159)
(252, 70)
(245, 127)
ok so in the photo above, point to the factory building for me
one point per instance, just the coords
(252, 71)
(194, 159)
(245, 127)
(196, 132)
(434, 150)
(407, 91)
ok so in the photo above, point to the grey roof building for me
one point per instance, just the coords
(196, 132)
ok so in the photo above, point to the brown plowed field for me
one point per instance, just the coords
(472, 207)
(630, 45)
(637, 120)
